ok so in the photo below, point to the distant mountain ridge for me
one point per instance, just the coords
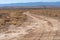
(33, 4)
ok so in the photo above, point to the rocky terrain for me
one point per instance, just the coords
(28, 26)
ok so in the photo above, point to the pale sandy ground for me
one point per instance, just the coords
(35, 28)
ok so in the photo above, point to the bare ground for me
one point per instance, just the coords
(35, 28)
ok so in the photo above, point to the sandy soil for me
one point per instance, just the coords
(35, 28)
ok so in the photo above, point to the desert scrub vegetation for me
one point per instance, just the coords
(11, 18)
(47, 12)
(16, 17)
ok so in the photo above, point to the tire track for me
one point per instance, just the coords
(40, 28)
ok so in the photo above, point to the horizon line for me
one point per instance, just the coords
(22, 2)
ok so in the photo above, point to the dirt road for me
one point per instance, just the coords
(35, 28)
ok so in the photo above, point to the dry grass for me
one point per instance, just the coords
(47, 12)
(16, 17)
(36, 26)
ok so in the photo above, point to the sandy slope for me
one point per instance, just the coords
(35, 28)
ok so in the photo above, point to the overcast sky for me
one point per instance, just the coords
(24, 1)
